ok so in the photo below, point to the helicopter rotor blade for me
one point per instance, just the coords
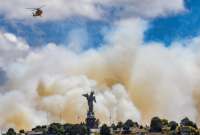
(32, 9)
(36, 8)
(41, 7)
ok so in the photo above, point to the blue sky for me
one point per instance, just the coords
(168, 29)
(162, 29)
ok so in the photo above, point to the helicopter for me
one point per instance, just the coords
(37, 11)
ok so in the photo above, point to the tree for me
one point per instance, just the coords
(173, 125)
(105, 130)
(165, 122)
(78, 129)
(126, 129)
(56, 128)
(11, 131)
(114, 127)
(129, 123)
(187, 122)
(156, 125)
(119, 125)
(37, 129)
(188, 130)
(67, 128)
(21, 131)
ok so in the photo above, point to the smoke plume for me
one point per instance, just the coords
(131, 79)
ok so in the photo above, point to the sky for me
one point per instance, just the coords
(139, 56)
(176, 27)
(165, 29)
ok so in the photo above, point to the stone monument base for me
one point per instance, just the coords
(91, 122)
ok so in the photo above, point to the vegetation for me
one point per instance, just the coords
(173, 125)
(105, 130)
(157, 125)
(11, 131)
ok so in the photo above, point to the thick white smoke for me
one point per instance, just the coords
(47, 83)
(131, 79)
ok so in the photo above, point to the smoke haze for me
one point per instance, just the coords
(131, 79)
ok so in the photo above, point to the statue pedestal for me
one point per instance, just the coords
(91, 121)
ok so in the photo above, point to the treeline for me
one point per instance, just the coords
(157, 125)
(53, 129)
(185, 127)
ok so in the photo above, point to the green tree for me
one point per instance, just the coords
(187, 122)
(11, 131)
(129, 123)
(156, 125)
(78, 129)
(119, 125)
(114, 127)
(56, 128)
(173, 125)
(165, 122)
(126, 129)
(105, 130)
(21, 131)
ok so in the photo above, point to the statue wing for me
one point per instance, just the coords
(85, 95)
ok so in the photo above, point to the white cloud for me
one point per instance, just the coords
(146, 8)
(61, 9)
(11, 48)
